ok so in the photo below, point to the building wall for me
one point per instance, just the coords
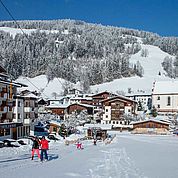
(162, 105)
(150, 124)
(59, 111)
(74, 108)
(107, 113)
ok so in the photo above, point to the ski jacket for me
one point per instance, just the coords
(44, 144)
(35, 144)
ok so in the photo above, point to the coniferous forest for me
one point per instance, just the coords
(77, 51)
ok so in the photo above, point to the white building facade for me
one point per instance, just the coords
(165, 97)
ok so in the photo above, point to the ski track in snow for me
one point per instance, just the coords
(116, 164)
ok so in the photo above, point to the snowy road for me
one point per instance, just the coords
(128, 156)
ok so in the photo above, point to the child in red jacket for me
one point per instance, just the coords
(44, 148)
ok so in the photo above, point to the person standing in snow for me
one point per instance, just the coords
(35, 147)
(94, 142)
(79, 145)
(44, 148)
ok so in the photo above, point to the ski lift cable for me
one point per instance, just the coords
(10, 14)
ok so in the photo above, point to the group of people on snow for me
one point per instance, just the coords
(37, 144)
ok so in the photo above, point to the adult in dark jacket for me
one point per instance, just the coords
(35, 147)
(44, 148)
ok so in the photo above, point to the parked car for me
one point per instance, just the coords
(175, 132)
(11, 143)
(52, 137)
(1, 144)
(21, 142)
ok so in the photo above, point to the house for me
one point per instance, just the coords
(30, 111)
(83, 99)
(54, 126)
(150, 126)
(41, 105)
(77, 108)
(115, 110)
(96, 102)
(8, 90)
(96, 131)
(59, 109)
(165, 97)
(143, 99)
(18, 112)
(74, 91)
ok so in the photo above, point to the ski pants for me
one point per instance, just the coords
(44, 151)
(37, 151)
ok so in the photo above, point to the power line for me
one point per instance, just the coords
(10, 14)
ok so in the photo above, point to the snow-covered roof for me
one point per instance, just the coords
(138, 94)
(85, 105)
(55, 122)
(153, 120)
(57, 106)
(81, 98)
(102, 126)
(9, 82)
(119, 97)
(31, 95)
(165, 87)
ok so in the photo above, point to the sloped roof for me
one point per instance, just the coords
(102, 126)
(62, 106)
(119, 97)
(84, 105)
(152, 120)
(165, 87)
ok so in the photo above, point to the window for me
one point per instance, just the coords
(106, 116)
(6, 131)
(168, 101)
(158, 106)
(158, 98)
(106, 110)
(106, 122)
(19, 104)
(19, 116)
(113, 122)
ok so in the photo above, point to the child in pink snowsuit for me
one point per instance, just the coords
(79, 145)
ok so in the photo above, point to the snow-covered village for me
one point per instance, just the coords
(92, 93)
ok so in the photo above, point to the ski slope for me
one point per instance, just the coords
(151, 64)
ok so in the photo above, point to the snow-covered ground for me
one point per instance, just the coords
(151, 64)
(128, 156)
(15, 31)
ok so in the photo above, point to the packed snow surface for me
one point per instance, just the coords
(128, 156)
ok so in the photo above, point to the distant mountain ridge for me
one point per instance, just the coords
(77, 51)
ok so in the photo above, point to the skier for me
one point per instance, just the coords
(35, 147)
(44, 148)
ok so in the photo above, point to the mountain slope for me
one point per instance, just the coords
(151, 64)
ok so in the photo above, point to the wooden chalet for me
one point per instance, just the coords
(59, 110)
(77, 107)
(96, 131)
(150, 126)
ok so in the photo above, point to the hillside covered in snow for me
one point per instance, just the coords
(58, 54)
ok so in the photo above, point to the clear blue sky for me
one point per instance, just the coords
(159, 16)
